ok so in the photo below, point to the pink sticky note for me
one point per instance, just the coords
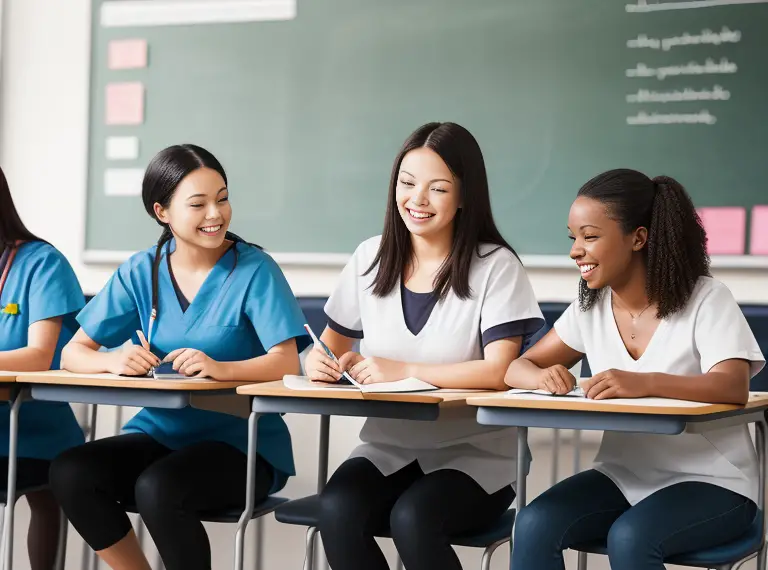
(125, 103)
(127, 54)
(759, 242)
(726, 230)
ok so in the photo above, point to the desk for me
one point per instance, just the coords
(274, 397)
(109, 389)
(644, 415)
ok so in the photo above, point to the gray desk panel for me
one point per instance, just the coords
(667, 425)
(110, 396)
(358, 408)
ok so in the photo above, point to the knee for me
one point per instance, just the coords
(71, 476)
(534, 525)
(156, 491)
(628, 544)
(340, 507)
(412, 520)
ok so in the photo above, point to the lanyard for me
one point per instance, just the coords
(5, 262)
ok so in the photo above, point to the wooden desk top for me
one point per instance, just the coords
(63, 378)
(440, 397)
(8, 377)
(659, 406)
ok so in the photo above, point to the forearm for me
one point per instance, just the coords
(77, 357)
(523, 373)
(471, 375)
(260, 369)
(27, 359)
(713, 387)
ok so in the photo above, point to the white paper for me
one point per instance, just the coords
(406, 385)
(122, 148)
(123, 181)
(577, 392)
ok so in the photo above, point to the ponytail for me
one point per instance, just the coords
(677, 247)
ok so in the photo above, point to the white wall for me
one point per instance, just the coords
(44, 133)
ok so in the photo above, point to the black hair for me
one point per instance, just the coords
(12, 229)
(473, 223)
(676, 250)
(164, 173)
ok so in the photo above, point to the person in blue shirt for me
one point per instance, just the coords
(39, 297)
(216, 307)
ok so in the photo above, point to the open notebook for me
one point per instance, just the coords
(577, 392)
(405, 385)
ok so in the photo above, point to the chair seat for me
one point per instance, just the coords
(304, 512)
(20, 492)
(233, 515)
(726, 553)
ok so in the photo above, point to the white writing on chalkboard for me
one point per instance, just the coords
(700, 118)
(717, 93)
(706, 37)
(709, 67)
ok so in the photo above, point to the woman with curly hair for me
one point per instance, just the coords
(652, 323)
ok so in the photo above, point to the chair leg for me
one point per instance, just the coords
(309, 552)
(398, 562)
(61, 547)
(582, 564)
(2, 530)
(258, 555)
(485, 563)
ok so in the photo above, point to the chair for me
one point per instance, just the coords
(304, 512)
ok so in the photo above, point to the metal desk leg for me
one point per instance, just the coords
(90, 559)
(576, 451)
(555, 456)
(12, 464)
(760, 443)
(250, 491)
(322, 479)
(520, 495)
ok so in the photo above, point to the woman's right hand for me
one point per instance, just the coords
(556, 379)
(132, 360)
(319, 367)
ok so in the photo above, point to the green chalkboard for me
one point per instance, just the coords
(307, 114)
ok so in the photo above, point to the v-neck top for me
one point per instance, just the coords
(452, 333)
(710, 329)
(243, 308)
(182, 298)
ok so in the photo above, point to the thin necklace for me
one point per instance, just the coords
(634, 317)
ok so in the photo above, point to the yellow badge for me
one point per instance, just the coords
(11, 309)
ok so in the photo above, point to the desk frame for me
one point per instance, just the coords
(651, 423)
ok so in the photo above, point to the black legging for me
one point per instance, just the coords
(170, 489)
(422, 511)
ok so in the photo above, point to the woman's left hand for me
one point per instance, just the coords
(193, 362)
(373, 370)
(615, 384)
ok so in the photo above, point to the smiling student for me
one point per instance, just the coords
(215, 306)
(652, 322)
(440, 296)
(39, 297)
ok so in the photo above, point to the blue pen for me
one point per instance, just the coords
(327, 350)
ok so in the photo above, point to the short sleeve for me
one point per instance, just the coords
(567, 328)
(343, 306)
(721, 332)
(112, 317)
(272, 308)
(54, 290)
(509, 306)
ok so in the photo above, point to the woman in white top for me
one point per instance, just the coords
(652, 323)
(442, 297)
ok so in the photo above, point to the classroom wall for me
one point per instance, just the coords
(43, 133)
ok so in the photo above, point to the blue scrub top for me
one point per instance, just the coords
(243, 309)
(43, 286)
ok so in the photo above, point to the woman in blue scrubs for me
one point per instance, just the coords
(215, 306)
(39, 297)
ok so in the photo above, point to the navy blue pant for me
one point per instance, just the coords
(586, 507)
